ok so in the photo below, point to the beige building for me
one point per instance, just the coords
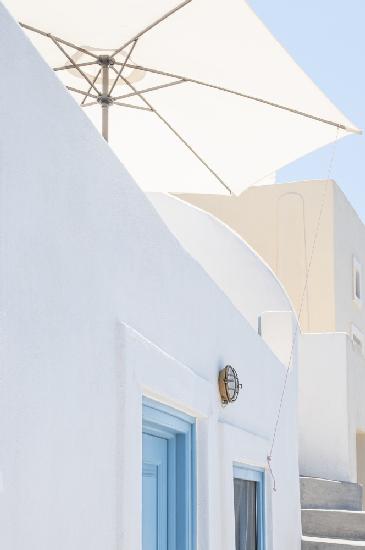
(280, 223)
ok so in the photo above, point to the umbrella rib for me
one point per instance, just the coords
(89, 104)
(64, 67)
(152, 25)
(122, 66)
(131, 106)
(88, 94)
(49, 35)
(74, 64)
(152, 89)
(176, 133)
(246, 96)
(59, 41)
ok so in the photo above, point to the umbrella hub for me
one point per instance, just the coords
(105, 100)
(106, 60)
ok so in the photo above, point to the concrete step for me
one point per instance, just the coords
(334, 524)
(315, 543)
(330, 495)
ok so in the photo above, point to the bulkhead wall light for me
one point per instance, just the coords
(229, 384)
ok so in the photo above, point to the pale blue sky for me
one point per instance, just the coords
(327, 39)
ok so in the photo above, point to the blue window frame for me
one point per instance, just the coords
(178, 431)
(249, 507)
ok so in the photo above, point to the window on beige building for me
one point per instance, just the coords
(357, 282)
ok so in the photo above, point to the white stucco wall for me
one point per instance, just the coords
(224, 436)
(99, 304)
(331, 405)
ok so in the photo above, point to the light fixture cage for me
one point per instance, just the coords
(229, 385)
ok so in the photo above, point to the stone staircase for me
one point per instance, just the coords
(332, 516)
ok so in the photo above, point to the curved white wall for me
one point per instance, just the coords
(236, 268)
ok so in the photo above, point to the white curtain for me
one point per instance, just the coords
(245, 514)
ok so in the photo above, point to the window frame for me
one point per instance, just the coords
(356, 274)
(251, 473)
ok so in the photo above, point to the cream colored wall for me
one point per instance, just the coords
(279, 222)
(349, 242)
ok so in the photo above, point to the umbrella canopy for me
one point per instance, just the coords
(202, 98)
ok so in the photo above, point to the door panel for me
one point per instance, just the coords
(154, 493)
(168, 499)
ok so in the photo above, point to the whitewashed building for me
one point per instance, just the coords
(113, 434)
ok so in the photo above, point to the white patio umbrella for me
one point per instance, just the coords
(202, 98)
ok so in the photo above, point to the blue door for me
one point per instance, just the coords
(168, 481)
(154, 493)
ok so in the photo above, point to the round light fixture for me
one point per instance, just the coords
(229, 385)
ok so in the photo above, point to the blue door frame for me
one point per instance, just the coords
(178, 430)
(241, 471)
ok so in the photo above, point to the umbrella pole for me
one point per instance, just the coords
(105, 104)
(105, 100)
